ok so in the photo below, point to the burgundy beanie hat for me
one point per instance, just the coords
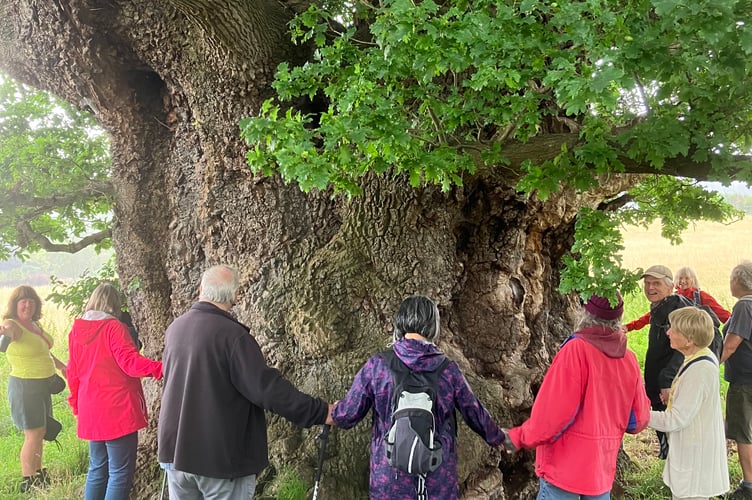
(601, 308)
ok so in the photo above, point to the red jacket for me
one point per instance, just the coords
(103, 371)
(705, 299)
(639, 323)
(592, 393)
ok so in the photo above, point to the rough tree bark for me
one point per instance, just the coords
(321, 277)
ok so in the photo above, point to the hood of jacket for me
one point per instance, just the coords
(86, 328)
(418, 355)
(612, 343)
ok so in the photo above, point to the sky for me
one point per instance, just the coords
(734, 188)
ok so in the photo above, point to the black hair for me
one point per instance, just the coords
(417, 314)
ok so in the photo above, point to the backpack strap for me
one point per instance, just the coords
(684, 368)
(400, 371)
(697, 298)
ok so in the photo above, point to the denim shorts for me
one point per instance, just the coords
(30, 402)
(739, 413)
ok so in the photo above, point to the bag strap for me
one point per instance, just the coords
(400, 371)
(697, 298)
(684, 368)
(39, 334)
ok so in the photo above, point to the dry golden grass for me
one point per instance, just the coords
(710, 248)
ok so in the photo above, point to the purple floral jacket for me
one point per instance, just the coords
(372, 389)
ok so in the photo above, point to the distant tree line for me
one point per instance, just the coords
(740, 201)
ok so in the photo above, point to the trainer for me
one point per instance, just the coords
(212, 429)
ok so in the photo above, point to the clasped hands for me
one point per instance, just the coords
(507, 445)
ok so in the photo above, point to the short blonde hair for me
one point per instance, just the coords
(694, 323)
(105, 298)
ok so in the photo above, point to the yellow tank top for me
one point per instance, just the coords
(29, 355)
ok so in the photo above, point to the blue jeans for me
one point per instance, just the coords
(112, 465)
(548, 491)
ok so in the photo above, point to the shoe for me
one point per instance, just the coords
(28, 483)
(39, 480)
(741, 493)
(42, 478)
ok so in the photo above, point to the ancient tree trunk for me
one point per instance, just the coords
(321, 277)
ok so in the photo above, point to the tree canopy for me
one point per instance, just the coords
(547, 95)
(542, 94)
(55, 187)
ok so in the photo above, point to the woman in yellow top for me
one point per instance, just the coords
(31, 365)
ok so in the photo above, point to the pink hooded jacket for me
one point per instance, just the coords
(103, 375)
(591, 395)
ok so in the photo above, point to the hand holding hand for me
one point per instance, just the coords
(664, 395)
(507, 445)
(329, 420)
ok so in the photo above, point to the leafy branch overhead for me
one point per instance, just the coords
(55, 188)
(542, 95)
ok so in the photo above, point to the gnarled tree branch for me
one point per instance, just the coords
(45, 204)
(26, 235)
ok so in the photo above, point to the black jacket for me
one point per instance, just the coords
(661, 361)
(216, 388)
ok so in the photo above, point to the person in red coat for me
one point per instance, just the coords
(106, 396)
(688, 285)
(591, 395)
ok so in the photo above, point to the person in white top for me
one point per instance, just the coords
(696, 467)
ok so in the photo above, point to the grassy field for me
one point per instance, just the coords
(711, 249)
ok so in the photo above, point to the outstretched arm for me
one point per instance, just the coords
(359, 398)
(639, 323)
(126, 356)
(640, 413)
(475, 415)
(718, 309)
(556, 404)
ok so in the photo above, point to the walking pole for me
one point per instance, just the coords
(322, 455)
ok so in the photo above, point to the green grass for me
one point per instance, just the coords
(291, 487)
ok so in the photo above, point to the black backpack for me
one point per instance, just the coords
(413, 443)
(717, 344)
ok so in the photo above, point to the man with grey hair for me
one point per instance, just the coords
(661, 361)
(737, 354)
(212, 427)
